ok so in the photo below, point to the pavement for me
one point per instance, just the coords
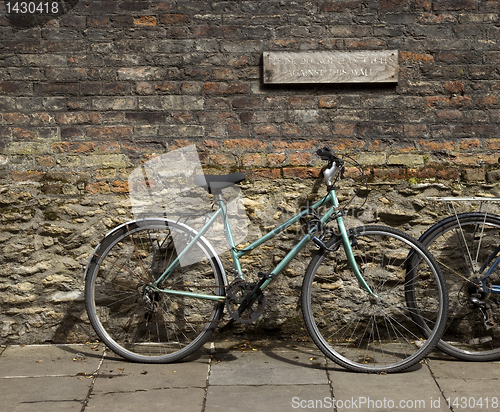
(240, 376)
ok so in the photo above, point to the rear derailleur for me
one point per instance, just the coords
(477, 298)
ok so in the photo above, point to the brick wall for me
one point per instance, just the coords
(88, 94)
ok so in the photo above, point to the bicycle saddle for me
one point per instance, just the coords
(215, 183)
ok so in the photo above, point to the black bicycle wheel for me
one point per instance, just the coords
(376, 333)
(131, 317)
(465, 247)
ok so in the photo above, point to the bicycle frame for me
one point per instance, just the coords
(236, 254)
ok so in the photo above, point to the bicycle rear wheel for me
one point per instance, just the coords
(380, 333)
(462, 245)
(135, 320)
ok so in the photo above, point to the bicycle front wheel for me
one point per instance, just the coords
(465, 246)
(138, 321)
(381, 332)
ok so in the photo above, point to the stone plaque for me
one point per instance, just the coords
(331, 67)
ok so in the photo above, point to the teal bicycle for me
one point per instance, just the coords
(373, 298)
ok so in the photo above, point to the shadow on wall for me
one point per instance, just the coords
(26, 15)
(74, 327)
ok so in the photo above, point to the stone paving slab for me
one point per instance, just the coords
(176, 400)
(264, 398)
(117, 375)
(414, 389)
(268, 368)
(468, 386)
(50, 360)
(43, 394)
(235, 376)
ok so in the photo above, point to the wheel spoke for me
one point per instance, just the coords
(382, 332)
(130, 315)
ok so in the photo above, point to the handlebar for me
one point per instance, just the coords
(335, 165)
(327, 154)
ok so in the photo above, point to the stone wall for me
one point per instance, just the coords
(89, 93)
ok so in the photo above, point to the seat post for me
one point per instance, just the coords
(217, 196)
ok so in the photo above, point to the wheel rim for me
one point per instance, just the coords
(466, 335)
(376, 334)
(141, 323)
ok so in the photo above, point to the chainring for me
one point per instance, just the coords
(235, 295)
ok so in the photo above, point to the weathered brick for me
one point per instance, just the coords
(416, 57)
(301, 173)
(174, 19)
(492, 144)
(371, 159)
(476, 130)
(292, 130)
(389, 174)
(78, 118)
(138, 73)
(97, 21)
(267, 130)
(474, 175)
(10, 87)
(246, 103)
(410, 160)
(345, 144)
(105, 160)
(252, 159)
(468, 144)
(72, 74)
(97, 188)
(431, 145)
(145, 117)
(276, 158)
(487, 101)
(297, 145)
(327, 102)
(454, 5)
(449, 115)
(448, 174)
(46, 161)
(182, 130)
(57, 88)
(31, 176)
(115, 103)
(119, 186)
(108, 132)
(145, 21)
(476, 159)
(421, 173)
(263, 174)
(21, 133)
(244, 144)
(237, 130)
(428, 18)
(416, 130)
(300, 159)
(222, 159)
(226, 88)
(343, 129)
(337, 7)
(74, 147)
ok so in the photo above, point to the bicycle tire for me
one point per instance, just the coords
(148, 326)
(374, 334)
(466, 336)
